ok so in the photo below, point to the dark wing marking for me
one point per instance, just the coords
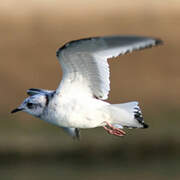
(34, 91)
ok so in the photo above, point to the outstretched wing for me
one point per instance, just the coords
(84, 62)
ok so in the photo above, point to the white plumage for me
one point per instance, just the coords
(77, 102)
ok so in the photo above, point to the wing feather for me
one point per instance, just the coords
(84, 62)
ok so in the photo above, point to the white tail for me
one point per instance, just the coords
(128, 115)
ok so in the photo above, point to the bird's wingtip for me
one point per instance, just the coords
(159, 41)
(145, 125)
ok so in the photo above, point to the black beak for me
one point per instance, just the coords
(16, 110)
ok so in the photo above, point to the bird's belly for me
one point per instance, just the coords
(78, 116)
(80, 120)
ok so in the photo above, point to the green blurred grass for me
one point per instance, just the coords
(63, 169)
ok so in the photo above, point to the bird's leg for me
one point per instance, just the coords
(112, 130)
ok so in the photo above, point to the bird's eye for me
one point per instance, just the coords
(29, 105)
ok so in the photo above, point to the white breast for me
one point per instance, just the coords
(77, 112)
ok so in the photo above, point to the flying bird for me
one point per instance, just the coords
(78, 102)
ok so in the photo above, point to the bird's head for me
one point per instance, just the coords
(33, 105)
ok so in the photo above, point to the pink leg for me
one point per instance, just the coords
(112, 130)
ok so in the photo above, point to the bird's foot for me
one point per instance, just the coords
(112, 130)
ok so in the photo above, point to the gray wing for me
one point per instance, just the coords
(84, 63)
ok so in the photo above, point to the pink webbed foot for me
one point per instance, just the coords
(112, 130)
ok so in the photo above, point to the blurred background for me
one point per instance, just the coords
(30, 34)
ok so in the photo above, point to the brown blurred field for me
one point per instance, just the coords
(30, 34)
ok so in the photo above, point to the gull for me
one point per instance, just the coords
(79, 101)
